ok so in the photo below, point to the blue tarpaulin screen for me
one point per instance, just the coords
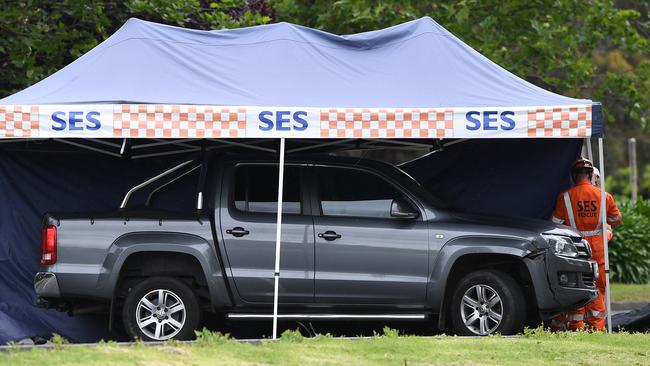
(412, 65)
(502, 177)
(32, 184)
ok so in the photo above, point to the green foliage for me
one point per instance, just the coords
(206, 337)
(292, 336)
(630, 292)
(548, 42)
(541, 333)
(38, 37)
(58, 340)
(390, 332)
(619, 182)
(324, 336)
(537, 332)
(629, 252)
(597, 49)
(534, 348)
(13, 346)
(201, 14)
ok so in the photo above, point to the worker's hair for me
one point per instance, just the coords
(578, 176)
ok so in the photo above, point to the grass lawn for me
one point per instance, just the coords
(534, 348)
(630, 293)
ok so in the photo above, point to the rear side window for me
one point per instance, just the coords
(256, 189)
(354, 193)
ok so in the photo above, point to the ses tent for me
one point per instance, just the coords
(497, 144)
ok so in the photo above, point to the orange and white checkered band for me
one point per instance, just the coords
(387, 122)
(18, 121)
(155, 120)
(196, 121)
(572, 121)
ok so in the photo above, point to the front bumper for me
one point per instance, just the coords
(46, 285)
(553, 296)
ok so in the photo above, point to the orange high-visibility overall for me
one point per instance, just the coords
(584, 201)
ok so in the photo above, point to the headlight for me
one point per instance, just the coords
(587, 248)
(562, 246)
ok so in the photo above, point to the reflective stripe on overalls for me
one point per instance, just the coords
(592, 232)
(572, 220)
(569, 210)
(597, 314)
(576, 317)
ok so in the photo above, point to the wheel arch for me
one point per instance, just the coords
(148, 251)
(147, 264)
(464, 255)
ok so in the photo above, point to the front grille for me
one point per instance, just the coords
(588, 279)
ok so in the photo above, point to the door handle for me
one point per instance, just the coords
(329, 235)
(237, 232)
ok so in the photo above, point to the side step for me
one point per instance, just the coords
(254, 316)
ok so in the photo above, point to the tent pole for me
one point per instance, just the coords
(278, 235)
(590, 154)
(233, 143)
(64, 141)
(335, 142)
(123, 147)
(603, 218)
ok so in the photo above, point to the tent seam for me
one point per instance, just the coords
(277, 40)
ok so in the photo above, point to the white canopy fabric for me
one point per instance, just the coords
(414, 80)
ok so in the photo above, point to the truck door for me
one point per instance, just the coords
(248, 225)
(363, 255)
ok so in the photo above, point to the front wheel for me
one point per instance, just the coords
(487, 302)
(159, 309)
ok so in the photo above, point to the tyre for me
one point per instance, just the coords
(161, 308)
(487, 302)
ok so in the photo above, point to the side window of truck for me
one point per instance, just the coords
(256, 189)
(355, 193)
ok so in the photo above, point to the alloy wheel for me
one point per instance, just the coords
(481, 309)
(160, 314)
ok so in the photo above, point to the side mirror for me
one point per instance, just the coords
(401, 209)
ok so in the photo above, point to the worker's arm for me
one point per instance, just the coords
(559, 214)
(614, 216)
(610, 233)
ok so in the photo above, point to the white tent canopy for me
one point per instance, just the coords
(411, 81)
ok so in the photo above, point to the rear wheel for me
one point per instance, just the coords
(487, 302)
(161, 308)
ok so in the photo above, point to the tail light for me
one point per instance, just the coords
(48, 245)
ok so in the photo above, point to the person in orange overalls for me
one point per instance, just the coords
(579, 207)
(596, 182)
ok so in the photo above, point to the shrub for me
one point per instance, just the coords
(206, 337)
(58, 340)
(292, 336)
(629, 252)
(390, 332)
(618, 183)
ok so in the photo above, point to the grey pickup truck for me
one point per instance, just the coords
(360, 240)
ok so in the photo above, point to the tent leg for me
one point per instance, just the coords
(587, 143)
(603, 218)
(278, 235)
